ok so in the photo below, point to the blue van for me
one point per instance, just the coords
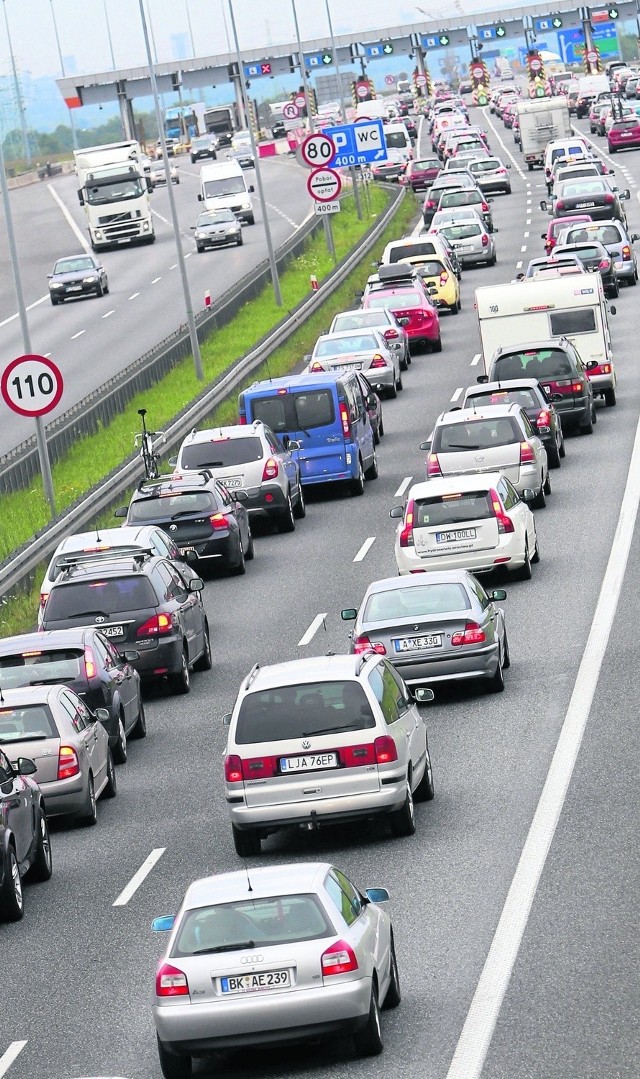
(327, 416)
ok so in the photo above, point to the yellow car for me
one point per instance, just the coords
(441, 282)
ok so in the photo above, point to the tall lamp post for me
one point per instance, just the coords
(109, 38)
(26, 148)
(74, 137)
(188, 14)
(191, 322)
(263, 204)
(352, 171)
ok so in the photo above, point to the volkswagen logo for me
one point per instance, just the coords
(173, 528)
(100, 618)
(252, 959)
(306, 744)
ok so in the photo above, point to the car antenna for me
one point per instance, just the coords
(246, 869)
(1, 697)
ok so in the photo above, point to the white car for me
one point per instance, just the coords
(365, 350)
(477, 523)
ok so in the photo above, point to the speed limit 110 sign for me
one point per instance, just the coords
(317, 150)
(31, 385)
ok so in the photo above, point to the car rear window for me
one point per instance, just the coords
(114, 595)
(301, 711)
(218, 453)
(409, 251)
(524, 397)
(605, 234)
(490, 165)
(32, 667)
(533, 363)
(172, 505)
(452, 509)
(300, 411)
(459, 198)
(256, 923)
(428, 163)
(26, 722)
(417, 602)
(360, 321)
(342, 346)
(481, 434)
(396, 139)
(462, 232)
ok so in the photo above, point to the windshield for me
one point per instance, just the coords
(25, 722)
(417, 602)
(32, 666)
(115, 192)
(482, 434)
(222, 452)
(172, 505)
(111, 596)
(72, 265)
(300, 411)
(251, 923)
(230, 185)
(342, 346)
(409, 251)
(216, 217)
(275, 715)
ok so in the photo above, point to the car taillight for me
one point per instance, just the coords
(604, 264)
(626, 253)
(609, 199)
(357, 756)
(485, 207)
(559, 205)
(485, 240)
(362, 644)
(271, 469)
(433, 465)
(378, 361)
(68, 763)
(44, 596)
(527, 456)
(156, 626)
(444, 277)
(344, 417)
(505, 524)
(171, 982)
(391, 335)
(218, 521)
(472, 634)
(385, 749)
(233, 768)
(315, 367)
(242, 420)
(406, 535)
(430, 204)
(89, 663)
(340, 958)
(259, 768)
(501, 172)
(577, 387)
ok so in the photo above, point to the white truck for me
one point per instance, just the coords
(541, 121)
(114, 193)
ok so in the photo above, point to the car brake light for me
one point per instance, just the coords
(626, 253)
(485, 207)
(270, 470)
(242, 420)
(44, 596)
(609, 199)
(68, 763)
(340, 958)
(362, 644)
(218, 521)
(433, 465)
(501, 172)
(429, 204)
(406, 535)
(485, 240)
(505, 524)
(604, 264)
(385, 748)
(472, 634)
(378, 361)
(391, 335)
(315, 367)
(89, 663)
(259, 768)
(171, 982)
(577, 387)
(156, 626)
(344, 416)
(233, 768)
(527, 456)
(444, 277)
(559, 205)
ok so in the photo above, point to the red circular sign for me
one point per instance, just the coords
(389, 79)
(535, 64)
(477, 71)
(300, 100)
(324, 185)
(291, 111)
(362, 90)
(31, 385)
(317, 150)
(592, 57)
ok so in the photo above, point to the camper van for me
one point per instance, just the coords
(223, 186)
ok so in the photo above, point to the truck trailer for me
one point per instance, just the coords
(541, 121)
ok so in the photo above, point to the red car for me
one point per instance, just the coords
(404, 293)
(419, 175)
(624, 133)
(556, 225)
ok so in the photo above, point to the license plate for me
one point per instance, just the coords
(459, 534)
(124, 240)
(254, 983)
(309, 762)
(186, 550)
(74, 288)
(232, 481)
(463, 247)
(112, 631)
(584, 205)
(404, 321)
(348, 367)
(414, 644)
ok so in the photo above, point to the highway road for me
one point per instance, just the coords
(94, 339)
(79, 969)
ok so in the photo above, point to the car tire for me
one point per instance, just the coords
(524, 572)
(106, 288)
(562, 451)
(173, 1066)
(199, 248)
(614, 291)
(392, 391)
(506, 656)
(454, 308)
(111, 788)
(535, 557)
(89, 815)
(437, 345)
(399, 384)
(368, 1041)
(240, 568)
(251, 220)
(492, 261)
(286, 519)
(394, 994)
(610, 397)
(140, 728)
(547, 485)
(381, 427)
(376, 437)
(404, 363)
(507, 190)
(402, 820)
(42, 865)
(357, 486)
(11, 898)
(247, 842)
(586, 427)
(300, 508)
(99, 291)
(250, 552)
(372, 471)
(120, 748)
(240, 241)
(54, 301)
(205, 662)
(181, 680)
(495, 684)
(540, 500)
(425, 791)
(633, 280)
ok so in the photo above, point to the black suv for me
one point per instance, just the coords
(199, 514)
(142, 603)
(24, 835)
(86, 661)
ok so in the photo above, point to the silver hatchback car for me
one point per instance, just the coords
(280, 955)
(490, 174)
(615, 238)
(470, 240)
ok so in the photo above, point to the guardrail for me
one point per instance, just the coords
(16, 569)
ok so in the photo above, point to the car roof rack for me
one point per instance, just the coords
(252, 675)
(107, 554)
(205, 475)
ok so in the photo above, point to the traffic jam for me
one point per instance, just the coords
(128, 616)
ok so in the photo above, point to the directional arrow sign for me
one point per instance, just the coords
(388, 48)
(501, 31)
(556, 22)
(613, 13)
(327, 58)
(324, 185)
(443, 39)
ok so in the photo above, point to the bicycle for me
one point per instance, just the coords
(147, 441)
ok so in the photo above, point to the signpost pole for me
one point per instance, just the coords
(43, 451)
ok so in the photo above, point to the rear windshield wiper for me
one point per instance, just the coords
(45, 681)
(226, 948)
(331, 730)
(185, 513)
(456, 446)
(38, 737)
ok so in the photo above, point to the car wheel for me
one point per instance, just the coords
(357, 485)
(547, 485)
(540, 500)
(507, 190)
(392, 391)
(140, 728)
(286, 519)
(425, 791)
(89, 815)
(240, 566)
(553, 456)
(495, 684)
(610, 397)
(111, 788)
(106, 288)
(172, 1066)
(506, 656)
(524, 573)
(407, 358)
(99, 291)
(372, 471)
(437, 345)
(246, 841)
(403, 820)
(205, 662)
(399, 383)
(250, 552)
(454, 308)
(376, 436)
(633, 280)
(240, 241)
(11, 899)
(404, 363)
(535, 557)
(614, 290)
(394, 996)
(300, 508)
(368, 1041)
(586, 427)
(251, 220)
(42, 866)
(561, 448)
(199, 248)
(493, 260)
(54, 301)
(381, 427)
(120, 748)
(181, 681)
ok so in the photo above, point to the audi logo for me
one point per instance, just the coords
(252, 959)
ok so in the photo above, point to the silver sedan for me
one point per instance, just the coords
(359, 350)
(275, 955)
(469, 238)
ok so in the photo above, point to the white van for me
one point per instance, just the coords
(223, 187)
(573, 147)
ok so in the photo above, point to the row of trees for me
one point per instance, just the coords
(59, 143)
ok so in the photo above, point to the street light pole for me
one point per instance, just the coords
(263, 204)
(186, 8)
(16, 82)
(191, 322)
(109, 38)
(352, 171)
(74, 137)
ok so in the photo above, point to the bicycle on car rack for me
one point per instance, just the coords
(147, 441)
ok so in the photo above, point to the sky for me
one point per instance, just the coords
(84, 43)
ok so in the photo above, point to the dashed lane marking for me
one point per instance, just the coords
(139, 877)
(404, 486)
(456, 393)
(313, 629)
(364, 550)
(78, 334)
(9, 1056)
(476, 359)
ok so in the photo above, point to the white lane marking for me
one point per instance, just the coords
(505, 148)
(526, 235)
(475, 1039)
(519, 265)
(47, 354)
(9, 1056)
(108, 313)
(134, 295)
(188, 254)
(404, 486)
(524, 248)
(277, 210)
(155, 280)
(79, 235)
(313, 629)
(456, 393)
(139, 877)
(12, 318)
(174, 267)
(366, 547)
(78, 334)
(476, 359)
(165, 220)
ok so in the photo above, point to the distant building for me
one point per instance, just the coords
(328, 86)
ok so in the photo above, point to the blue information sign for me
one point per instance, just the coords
(358, 144)
(318, 59)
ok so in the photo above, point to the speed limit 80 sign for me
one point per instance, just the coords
(317, 150)
(31, 385)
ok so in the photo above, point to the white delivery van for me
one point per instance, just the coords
(223, 186)
(569, 148)
(399, 152)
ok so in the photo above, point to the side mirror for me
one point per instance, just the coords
(200, 197)
(543, 235)
(377, 895)
(528, 495)
(81, 198)
(397, 513)
(293, 445)
(307, 357)
(349, 614)
(193, 228)
(226, 719)
(164, 924)
(426, 446)
(424, 695)
(173, 462)
(49, 275)
(359, 294)
(625, 194)
(241, 496)
(131, 655)
(613, 310)
(591, 364)
(190, 557)
(103, 714)
(196, 584)
(120, 512)
(508, 166)
(251, 189)
(25, 766)
(482, 378)
(498, 594)
(634, 237)
(543, 205)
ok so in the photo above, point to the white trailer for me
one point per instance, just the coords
(541, 121)
(114, 193)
